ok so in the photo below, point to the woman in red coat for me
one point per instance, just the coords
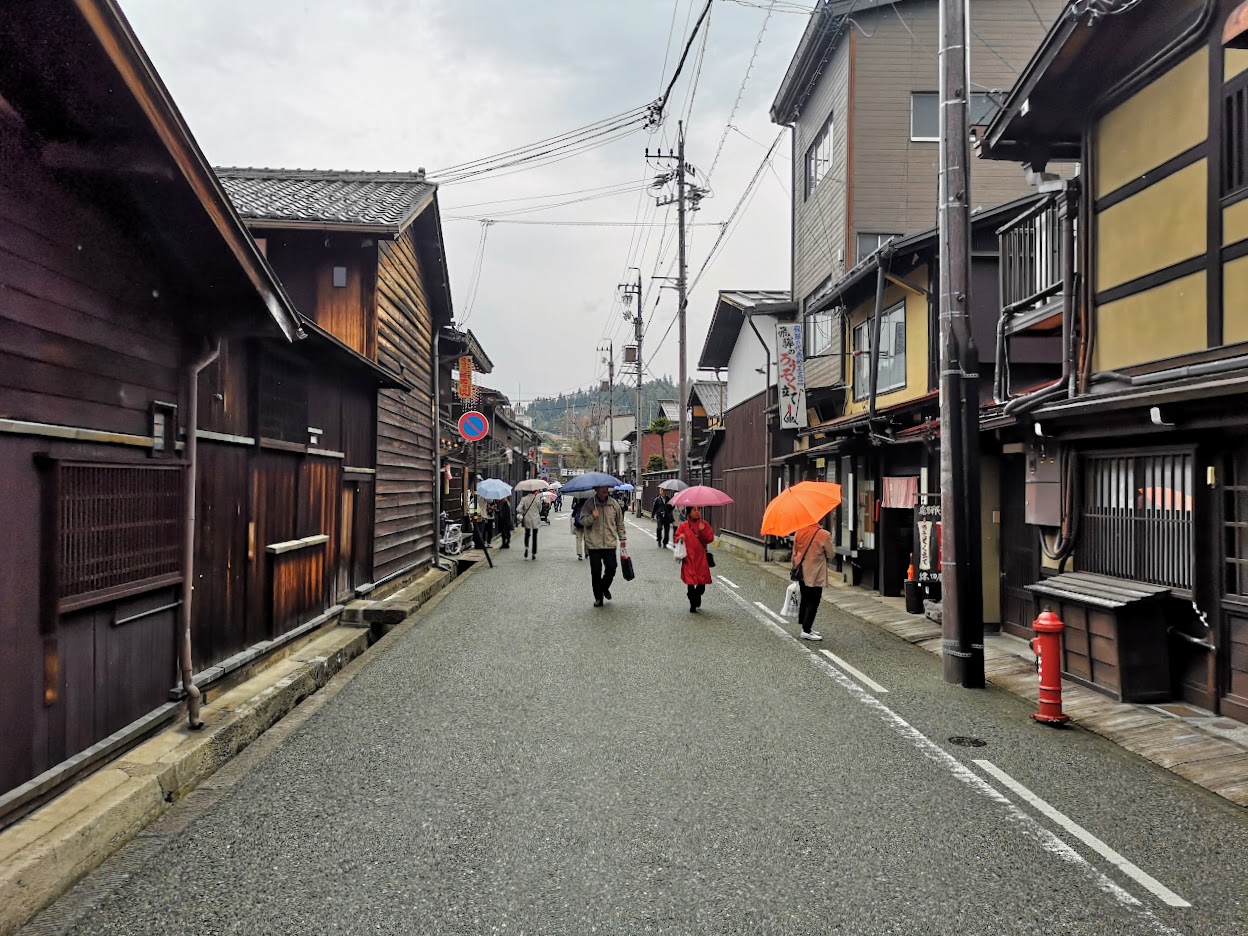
(696, 534)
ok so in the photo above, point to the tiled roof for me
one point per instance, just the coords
(388, 200)
(711, 396)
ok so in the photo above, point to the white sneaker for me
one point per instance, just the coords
(811, 635)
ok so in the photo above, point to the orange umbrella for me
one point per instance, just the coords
(800, 505)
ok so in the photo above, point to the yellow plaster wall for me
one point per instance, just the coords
(1235, 61)
(1160, 226)
(1166, 118)
(1153, 325)
(1235, 223)
(1235, 301)
(917, 345)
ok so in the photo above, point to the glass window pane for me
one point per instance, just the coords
(982, 109)
(924, 115)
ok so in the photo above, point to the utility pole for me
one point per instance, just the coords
(684, 193)
(638, 327)
(962, 627)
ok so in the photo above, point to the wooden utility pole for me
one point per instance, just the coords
(684, 192)
(962, 627)
(638, 329)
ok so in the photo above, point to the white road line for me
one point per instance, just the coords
(1030, 826)
(766, 610)
(1160, 890)
(861, 676)
(728, 582)
(647, 532)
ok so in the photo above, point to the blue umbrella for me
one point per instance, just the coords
(493, 489)
(587, 482)
(624, 487)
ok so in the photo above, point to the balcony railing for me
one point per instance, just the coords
(1031, 265)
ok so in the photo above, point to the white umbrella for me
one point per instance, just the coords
(531, 484)
(673, 484)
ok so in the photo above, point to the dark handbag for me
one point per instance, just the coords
(626, 568)
(795, 573)
(710, 559)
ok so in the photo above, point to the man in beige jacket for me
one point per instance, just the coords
(603, 522)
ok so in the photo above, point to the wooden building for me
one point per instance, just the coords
(876, 431)
(860, 97)
(361, 255)
(1138, 471)
(123, 268)
(741, 341)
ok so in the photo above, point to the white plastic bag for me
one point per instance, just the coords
(792, 601)
(679, 551)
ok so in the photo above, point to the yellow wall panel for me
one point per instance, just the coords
(918, 346)
(1160, 226)
(1235, 62)
(1235, 301)
(1166, 118)
(1235, 223)
(1153, 325)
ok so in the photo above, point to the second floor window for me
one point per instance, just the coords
(1235, 136)
(819, 158)
(867, 244)
(821, 334)
(892, 353)
(925, 114)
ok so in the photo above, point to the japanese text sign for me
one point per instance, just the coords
(792, 381)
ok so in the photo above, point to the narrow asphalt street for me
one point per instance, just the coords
(521, 762)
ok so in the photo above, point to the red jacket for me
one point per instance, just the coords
(697, 535)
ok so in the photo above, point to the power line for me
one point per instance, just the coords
(741, 90)
(615, 131)
(499, 201)
(662, 103)
(627, 224)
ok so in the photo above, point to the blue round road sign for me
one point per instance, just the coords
(474, 426)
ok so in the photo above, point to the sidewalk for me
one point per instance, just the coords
(1198, 745)
(45, 853)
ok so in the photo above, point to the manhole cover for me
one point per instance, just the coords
(965, 741)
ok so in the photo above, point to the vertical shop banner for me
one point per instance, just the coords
(927, 519)
(465, 377)
(792, 377)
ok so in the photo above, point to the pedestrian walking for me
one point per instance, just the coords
(603, 521)
(695, 571)
(663, 513)
(529, 514)
(812, 548)
(578, 531)
(502, 516)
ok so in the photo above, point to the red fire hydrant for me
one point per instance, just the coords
(1047, 646)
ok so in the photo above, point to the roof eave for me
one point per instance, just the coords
(292, 224)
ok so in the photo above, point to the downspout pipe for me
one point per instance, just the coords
(437, 450)
(1067, 215)
(881, 284)
(193, 695)
(749, 317)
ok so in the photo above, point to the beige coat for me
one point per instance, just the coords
(529, 513)
(814, 543)
(607, 532)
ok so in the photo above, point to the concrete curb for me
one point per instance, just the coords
(47, 852)
(1218, 764)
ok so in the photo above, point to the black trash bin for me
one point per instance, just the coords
(914, 598)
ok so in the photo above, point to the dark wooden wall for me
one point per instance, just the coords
(405, 525)
(305, 261)
(740, 468)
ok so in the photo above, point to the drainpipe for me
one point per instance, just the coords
(881, 284)
(193, 695)
(1066, 213)
(749, 317)
(437, 451)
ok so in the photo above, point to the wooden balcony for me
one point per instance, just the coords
(1032, 278)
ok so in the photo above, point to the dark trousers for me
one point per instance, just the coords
(811, 594)
(505, 533)
(527, 531)
(662, 532)
(602, 565)
(695, 595)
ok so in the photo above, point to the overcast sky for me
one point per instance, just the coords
(402, 84)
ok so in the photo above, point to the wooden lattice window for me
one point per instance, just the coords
(1235, 136)
(111, 530)
(283, 403)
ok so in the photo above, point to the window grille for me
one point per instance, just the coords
(283, 403)
(1138, 518)
(117, 527)
(1235, 137)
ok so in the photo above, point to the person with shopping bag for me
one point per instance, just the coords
(529, 516)
(812, 548)
(602, 519)
(692, 538)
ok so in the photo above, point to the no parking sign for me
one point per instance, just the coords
(473, 426)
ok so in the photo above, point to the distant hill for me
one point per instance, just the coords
(563, 413)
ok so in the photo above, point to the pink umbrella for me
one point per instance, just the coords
(701, 496)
